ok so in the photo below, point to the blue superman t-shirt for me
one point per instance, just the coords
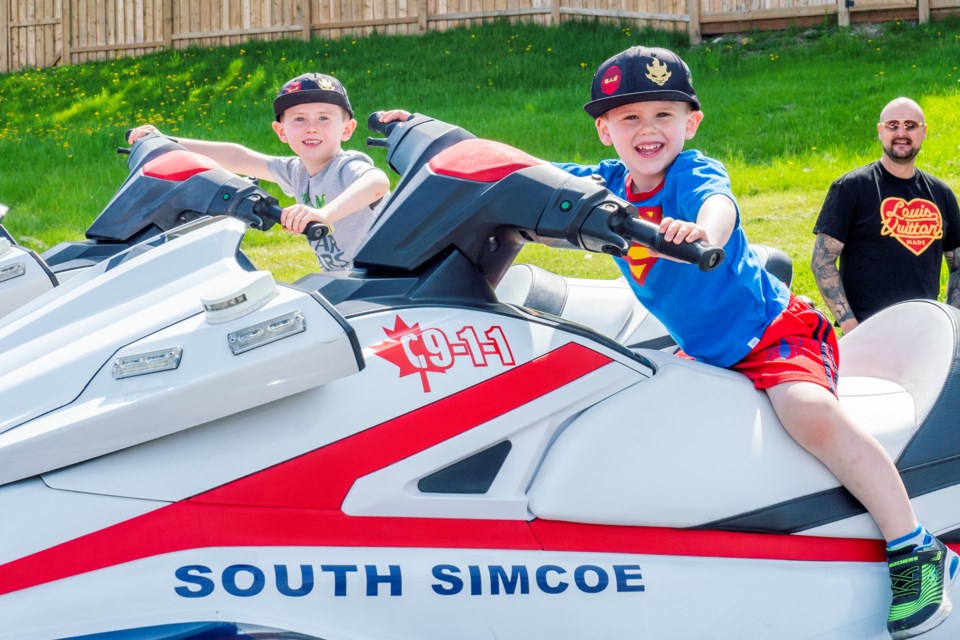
(717, 316)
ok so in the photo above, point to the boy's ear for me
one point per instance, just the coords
(348, 128)
(694, 118)
(603, 131)
(278, 129)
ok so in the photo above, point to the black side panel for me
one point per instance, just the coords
(450, 279)
(656, 343)
(472, 475)
(794, 516)
(822, 508)
(67, 256)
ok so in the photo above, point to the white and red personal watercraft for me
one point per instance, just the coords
(191, 450)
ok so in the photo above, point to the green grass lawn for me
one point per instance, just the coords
(786, 112)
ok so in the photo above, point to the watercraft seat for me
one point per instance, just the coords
(697, 445)
(606, 306)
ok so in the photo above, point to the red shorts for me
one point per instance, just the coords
(799, 345)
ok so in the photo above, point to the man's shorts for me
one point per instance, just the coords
(799, 345)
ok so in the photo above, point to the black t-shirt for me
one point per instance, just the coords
(894, 232)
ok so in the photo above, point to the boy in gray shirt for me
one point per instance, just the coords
(333, 186)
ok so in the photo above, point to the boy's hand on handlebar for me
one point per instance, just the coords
(678, 232)
(395, 115)
(141, 132)
(295, 218)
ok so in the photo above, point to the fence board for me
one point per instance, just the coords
(5, 42)
(49, 32)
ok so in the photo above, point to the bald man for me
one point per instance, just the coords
(889, 225)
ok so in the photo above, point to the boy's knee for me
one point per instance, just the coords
(815, 431)
(810, 414)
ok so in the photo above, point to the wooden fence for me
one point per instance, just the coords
(43, 33)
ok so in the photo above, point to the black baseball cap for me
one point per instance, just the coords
(311, 87)
(640, 74)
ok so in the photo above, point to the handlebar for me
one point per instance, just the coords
(239, 197)
(271, 210)
(125, 151)
(383, 128)
(705, 256)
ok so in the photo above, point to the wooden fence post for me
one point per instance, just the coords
(167, 8)
(66, 31)
(306, 17)
(5, 37)
(422, 11)
(693, 6)
(555, 12)
(923, 11)
(843, 14)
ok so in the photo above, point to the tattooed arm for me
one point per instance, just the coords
(953, 280)
(826, 252)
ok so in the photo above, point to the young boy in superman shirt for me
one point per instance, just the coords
(738, 316)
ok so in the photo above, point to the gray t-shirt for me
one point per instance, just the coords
(336, 250)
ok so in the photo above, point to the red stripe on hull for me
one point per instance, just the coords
(570, 536)
(297, 502)
(186, 525)
(321, 479)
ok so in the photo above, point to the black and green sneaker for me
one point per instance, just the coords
(920, 580)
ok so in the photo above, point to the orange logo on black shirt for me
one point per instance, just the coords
(916, 224)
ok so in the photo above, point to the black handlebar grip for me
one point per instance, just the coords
(705, 256)
(374, 124)
(125, 151)
(315, 231)
(383, 128)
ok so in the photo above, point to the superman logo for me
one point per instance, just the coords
(638, 256)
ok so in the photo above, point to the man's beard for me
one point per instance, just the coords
(901, 157)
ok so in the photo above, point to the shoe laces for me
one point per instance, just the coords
(905, 582)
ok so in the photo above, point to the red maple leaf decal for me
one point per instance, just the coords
(404, 348)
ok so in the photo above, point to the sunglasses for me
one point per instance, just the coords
(908, 125)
